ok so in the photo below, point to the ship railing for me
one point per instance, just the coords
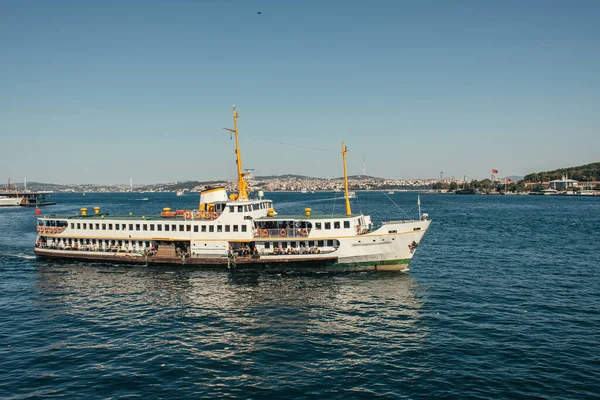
(282, 233)
(296, 251)
(191, 214)
(401, 221)
(362, 229)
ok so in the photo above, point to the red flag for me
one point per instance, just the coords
(507, 180)
(494, 171)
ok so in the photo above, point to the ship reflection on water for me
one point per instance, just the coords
(234, 321)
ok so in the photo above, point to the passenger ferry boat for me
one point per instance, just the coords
(6, 201)
(25, 199)
(232, 231)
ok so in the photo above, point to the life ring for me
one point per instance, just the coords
(282, 232)
(215, 215)
(187, 215)
(303, 232)
(265, 233)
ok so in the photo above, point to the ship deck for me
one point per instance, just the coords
(155, 217)
(209, 262)
(289, 217)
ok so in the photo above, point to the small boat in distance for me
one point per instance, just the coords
(180, 192)
(11, 197)
(351, 195)
(6, 201)
(391, 192)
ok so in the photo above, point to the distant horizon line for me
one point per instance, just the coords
(360, 177)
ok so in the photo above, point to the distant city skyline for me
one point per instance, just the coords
(101, 92)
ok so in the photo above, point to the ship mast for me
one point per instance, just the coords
(344, 152)
(242, 184)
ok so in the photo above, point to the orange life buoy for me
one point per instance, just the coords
(199, 215)
(215, 215)
(282, 232)
(265, 233)
(187, 215)
(303, 232)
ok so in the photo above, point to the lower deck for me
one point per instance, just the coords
(316, 264)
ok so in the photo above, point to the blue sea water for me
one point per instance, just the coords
(502, 300)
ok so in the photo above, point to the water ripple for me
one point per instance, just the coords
(502, 300)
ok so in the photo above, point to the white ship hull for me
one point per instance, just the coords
(10, 201)
(391, 246)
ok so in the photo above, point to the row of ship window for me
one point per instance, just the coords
(336, 225)
(99, 242)
(310, 243)
(249, 207)
(142, 243)
(161, 227)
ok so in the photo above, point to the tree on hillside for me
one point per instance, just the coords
(589, 172)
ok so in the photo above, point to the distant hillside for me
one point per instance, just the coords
(589, 172)
(303, 177)
(515, 178)
(360, 177)
(286, 176)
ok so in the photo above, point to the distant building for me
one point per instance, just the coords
(535, 185)
(564, 183)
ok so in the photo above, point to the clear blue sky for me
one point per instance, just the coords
(98, 92)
